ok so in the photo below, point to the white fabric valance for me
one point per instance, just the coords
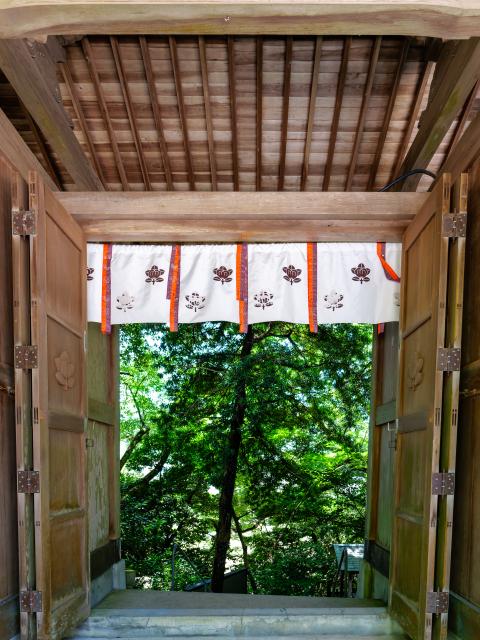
(308, 283)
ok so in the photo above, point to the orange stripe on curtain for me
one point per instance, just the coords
(106, 289)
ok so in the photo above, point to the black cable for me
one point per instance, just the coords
(407, 175)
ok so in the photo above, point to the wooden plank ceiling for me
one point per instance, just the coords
(242, 113)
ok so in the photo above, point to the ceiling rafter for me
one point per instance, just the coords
(122, 78)
(259, 111)
(157, 116)
(208, 111)
(367, 92)
(388, 114)
(311, 112)
(342, 76)
(413, 117)
(89, 57)
(80, 115)
(285, 108)
(233, 110)
(172, 42)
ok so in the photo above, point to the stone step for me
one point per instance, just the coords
(291, 637)
(336, 624)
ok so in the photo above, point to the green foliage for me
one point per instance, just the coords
(302, 469)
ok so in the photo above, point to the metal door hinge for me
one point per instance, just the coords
(26, 356)
(443, 484)
(455, 225)
(449, 359)
(437, 602)
(31, 601)
(24, 223)
(28, 481)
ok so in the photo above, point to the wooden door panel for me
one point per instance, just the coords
(385, 490)
(58, 254)
(427, 404)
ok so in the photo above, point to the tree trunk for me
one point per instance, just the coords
(246, 563)
(225, 508)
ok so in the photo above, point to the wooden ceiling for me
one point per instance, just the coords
(242, 113)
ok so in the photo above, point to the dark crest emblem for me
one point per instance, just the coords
(291, 274)
(361, 273)
(154, 274)
(90, 271)
(222, 274)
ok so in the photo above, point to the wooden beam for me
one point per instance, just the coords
(459, 74)
(311, 112)
(436, 18)
(253, 216)
(102, 103)
(413, 117)
(14, 150)
(462, 121)
(336, 112)
(157, 117)
(285, 104)
(208, 111)
(82, 121)
(465, 152)
(30, 79)
(122, 78)
(51, 168)
(388, 114)
(181, 110)
(259, 112)
(233, 110)
(363, 110)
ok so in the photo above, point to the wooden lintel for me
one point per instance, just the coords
(436, 18)
(31, 71)
(455, 78)
(232, 217)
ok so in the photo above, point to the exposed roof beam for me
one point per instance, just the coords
(18, 154)
(285, 104)
(311, 112)
(51, 168)
(127, 98)
(388, 114)
(367, 91)
(259, 112)
(37, 18)
(413, 117)
(102, 103)
(342, 75)
(181, 110)
(233, 109)
(459, 73)
(33, 79)
(157, 116)
(462, 121)
(229, 216)
(80, 115)
(202, 49)
(465, 152)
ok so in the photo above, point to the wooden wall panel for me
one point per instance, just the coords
(103, 452)
(98, 484)
(8, 496)
(465, 582)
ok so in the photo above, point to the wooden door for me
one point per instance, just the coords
(58, 325)
(427, 402)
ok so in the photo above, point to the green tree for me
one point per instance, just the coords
(264, 433)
